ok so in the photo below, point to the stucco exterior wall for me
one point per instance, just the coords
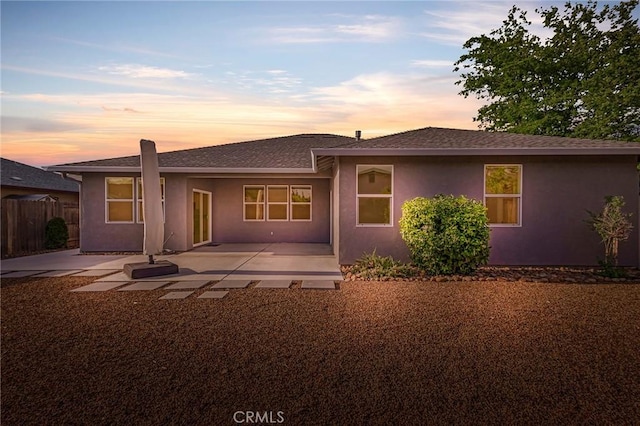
(229, 226)
(97, 235)
(556, 192)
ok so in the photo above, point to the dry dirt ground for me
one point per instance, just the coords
(370, 353)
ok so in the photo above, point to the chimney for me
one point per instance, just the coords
(358, 134)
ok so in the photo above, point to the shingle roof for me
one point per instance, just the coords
(440, 138)
(21, 175)
(289, 152)
(296, 153)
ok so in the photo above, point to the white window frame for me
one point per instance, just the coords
(277, 203)
(107, 200)
(245, 203)
(139, 200)
(518, 196)
(389, 196)
(301, 203)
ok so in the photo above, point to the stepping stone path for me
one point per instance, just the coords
(213, 294)
(178, 290)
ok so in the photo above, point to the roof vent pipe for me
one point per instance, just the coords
(358, 134)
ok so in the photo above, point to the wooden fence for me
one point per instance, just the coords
(24, 222)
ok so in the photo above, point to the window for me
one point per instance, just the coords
(503, 194)
(254, 202)
(278, 202)
(119, 199)
(300, 202)
(139, 198)
(374, 195)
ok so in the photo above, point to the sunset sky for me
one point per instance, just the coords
(88, 80)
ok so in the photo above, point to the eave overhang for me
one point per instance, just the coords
(184, 170)
(399, 152)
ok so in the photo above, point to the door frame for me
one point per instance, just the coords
(208, 238)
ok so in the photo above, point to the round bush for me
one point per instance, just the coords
(56, 233)
(446, 234)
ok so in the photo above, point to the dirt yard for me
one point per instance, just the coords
(371, 353)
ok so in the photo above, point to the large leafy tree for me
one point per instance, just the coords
(582, 81)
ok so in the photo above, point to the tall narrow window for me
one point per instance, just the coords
(503, 194)
(119, 199)
(139, 198)
(374, 195)
(300, 202)
(277, 202)
(254, 202)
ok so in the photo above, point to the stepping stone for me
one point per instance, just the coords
(318, 285)
(144, 285)
(21, 274)
(180, 285)
(213, 295)
(100, 286)
(232, 284)
(58, 273)
(176, 295)
(97, 272)
(274, 284)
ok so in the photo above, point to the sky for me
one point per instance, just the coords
(88, 80)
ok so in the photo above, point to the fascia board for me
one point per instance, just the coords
(353, 152)
(129, 169)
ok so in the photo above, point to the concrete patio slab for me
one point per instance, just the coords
(181, 285)
(232, 284)
(277, 261)
(213, 295)
(22, 274)
(97, 272)
(57, 273)
(274, 284)
(138, 285)
(174, 295)
(318, 285)
(105, 286)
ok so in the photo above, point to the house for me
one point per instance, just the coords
(20, 181)
(348, 192)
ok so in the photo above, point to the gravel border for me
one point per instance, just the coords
(371, 353)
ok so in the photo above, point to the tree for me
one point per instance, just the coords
(613, 226)
(583, 81)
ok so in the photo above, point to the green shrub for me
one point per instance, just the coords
(56, 233)
(613, 226)
(446, 235)
(372, 266)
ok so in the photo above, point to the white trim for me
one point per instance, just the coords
(386, 196)
(119, 200)
(210, 207)
(292, 203)
(277, 203)
(256, 203)
(517, 196)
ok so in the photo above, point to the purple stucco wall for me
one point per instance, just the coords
(227, 219)
(97, 235)
(229, 226)
(556, 193)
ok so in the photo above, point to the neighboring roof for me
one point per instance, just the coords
(20, 175)
(311, 152)
(282, 154)
(439, 141)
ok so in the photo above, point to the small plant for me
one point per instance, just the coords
(446, 235)
(613, 226)
(372, 266)
(56, 233)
